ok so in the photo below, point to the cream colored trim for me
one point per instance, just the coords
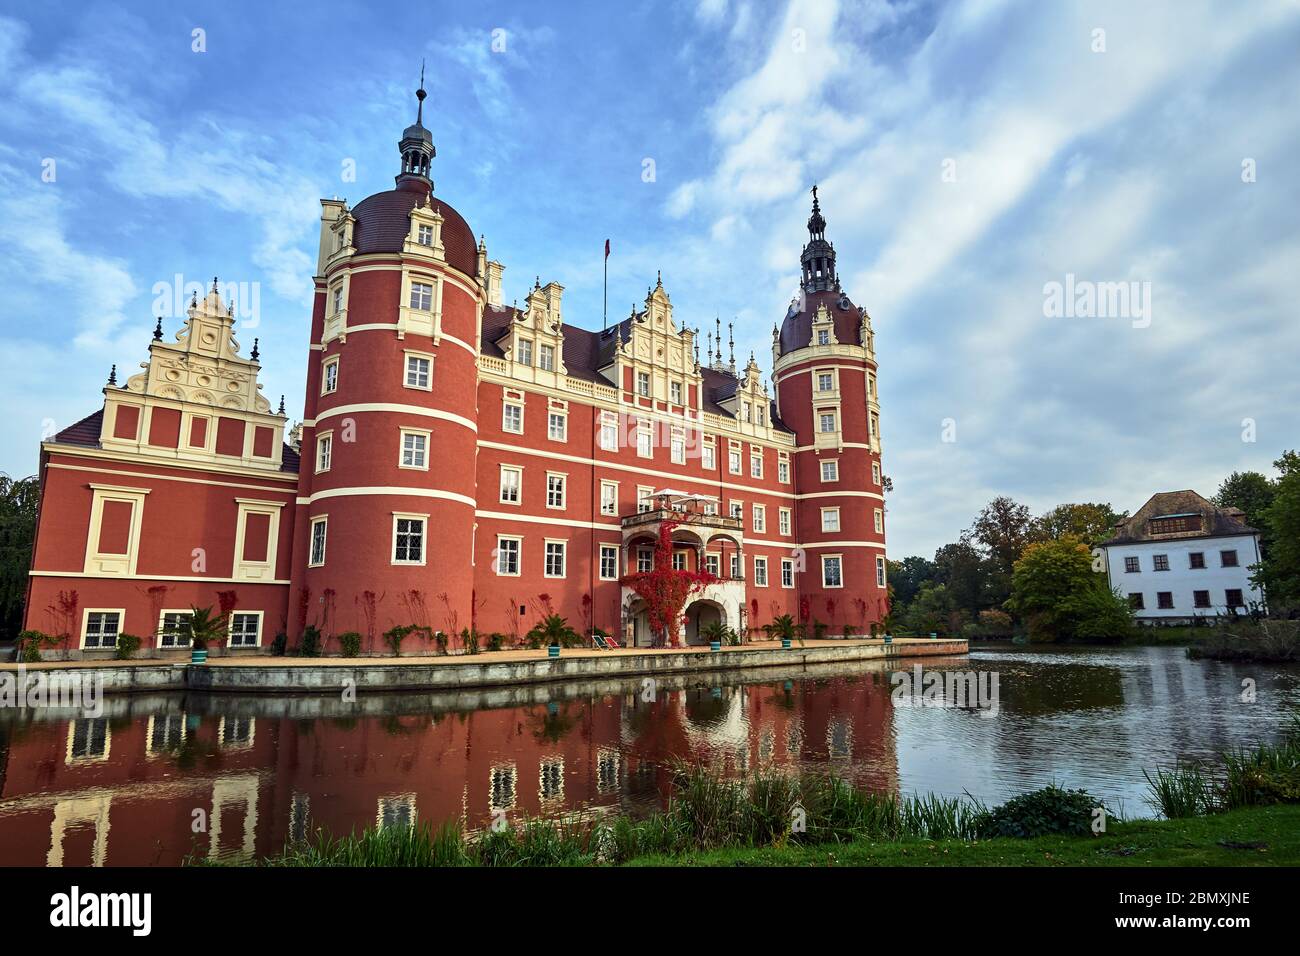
(539, 519)
(843, 544)
(392, 407)
(311, 539)
(98, 562)
(144, 577)
(192, 481)
(424, 433)
(85, 623)
(841, 445)
(839, 494)
(519, 555)
(424, 539)
(823, 567)
(257, 571)
(387, 490)
(261, 627)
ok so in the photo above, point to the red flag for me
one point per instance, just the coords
(606, 248)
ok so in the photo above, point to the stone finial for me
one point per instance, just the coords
(255, 354)
(281, 405)
(157, 330)
(112, 375)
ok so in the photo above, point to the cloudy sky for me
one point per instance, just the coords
(970, 155)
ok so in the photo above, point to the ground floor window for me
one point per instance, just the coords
(1165, 600)
(102, 628)
(1234, 597)
(245, 628)
(171, 629)
(554, 559)
(1201, 598)
(760, 572)
(787, 573)
(408, 541)
(832, 571)
(1135, 601)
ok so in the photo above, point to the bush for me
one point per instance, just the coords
(127, 644)
(30, 644)
(280, 642)
(309, 645)
(469, 640)
(496, 641)
(994, 624)
(1043, 812)
(350, 643)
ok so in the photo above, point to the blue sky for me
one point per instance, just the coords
(969, 153)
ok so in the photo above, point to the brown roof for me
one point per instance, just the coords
(796, 330)
(1215, 522)
(383, 223)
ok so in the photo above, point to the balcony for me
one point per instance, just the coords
(686, 519)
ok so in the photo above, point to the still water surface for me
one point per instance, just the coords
(247, 773)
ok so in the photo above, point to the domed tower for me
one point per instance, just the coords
(384, 533)
(824, 366)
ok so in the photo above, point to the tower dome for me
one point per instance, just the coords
(820, 295)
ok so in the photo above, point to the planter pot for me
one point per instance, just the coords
(553, 650)
(934, 636)
(198, 657)
(715, 645)
(889, 639)
(786, 642)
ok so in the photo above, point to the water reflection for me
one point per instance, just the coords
(128, 787)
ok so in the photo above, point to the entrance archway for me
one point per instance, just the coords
(699, 615)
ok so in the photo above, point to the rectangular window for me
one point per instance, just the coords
(524, 352)
(609, 562)
(546, 357)
(512, 418)
(415, 450)
(1228, 559)
(760, 572)
(554, 559)
(88, 738)
(738, 509)
(708, 457)
(1196, 560)
(421, 296)
(102, 628)
(338, 300)
(245, 629)
(679, 560)
(735, 567)
(678, 448)
(418, 368)
(825, 382)
(608, 498)
(1132, 566)
(783, 471)
(787, 573)
(408, 540)
(555, 491)
(330, 381)
(643, 493)
(711, 564)
(608, 431)
(823, 337)
(508, 556)
(1160, 562)
(756, 466)
(424, 235)
(733, 461)
(319, 529)
(1136, 602)
(711, 507)
(830, 519)
(831, 470)
(1201, 598)
(875, 472)
(675, 392)
(1165, 600)
(171, 629)
(644, 440)
(880, 572)
(880, 521)
(643, 384)
(1234, 598)
(512, 481)
(826, 422)
(783, 520)
(645, 560)
(760, 518)
(557, 426)
(324, 452)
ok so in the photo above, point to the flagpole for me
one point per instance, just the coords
(604, 321)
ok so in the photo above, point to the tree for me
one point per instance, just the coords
(1002, 529)
(18, 499)
(967, 575)
(908, 575)
(934, 611)
(1045, 578)
(1252, 493)
(1280, 571)
(1090, 522)
(665, 589)
(553, 631)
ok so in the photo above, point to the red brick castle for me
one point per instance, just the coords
(466, 463)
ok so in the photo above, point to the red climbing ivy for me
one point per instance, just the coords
(666, 590)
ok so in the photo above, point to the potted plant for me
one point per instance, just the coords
(785, 628)
(716, 632)
(201, 628)
(554, 632)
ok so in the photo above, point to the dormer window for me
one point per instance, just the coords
(823, 336)
(546, 358)
(425, 235)
(524, 352)
(338, 300)
(421, 296)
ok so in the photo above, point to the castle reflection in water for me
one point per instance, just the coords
(159, 778)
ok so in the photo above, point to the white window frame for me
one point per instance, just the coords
(563, 545)
(645, 560)
(677, 447)
(546, 357)
(323, 521)
(756, 464)
(759, 518)
(414, 357)
(734, 461)
(424, 234)
(264, 570)
(880, 521)
(875, 472)
(399, 516)
(784, 521)
(644, 386)
(423, 433)
(518, 542)
(162, 620)
(835, 469)
(331, 364)
(324, 451)
(610, 507)
(563, 486)
(882, 578)
(552, 416)
(506, 406)
(713, 563)
(605, 551)
(831, 520)
(645, 446)
(102, 563)
(518, 471)
(787, 572)
(760, 571)
(839, 564)
(709, 455)
(85, 626)
(783, 470)
(609, 431)
(415, 301)
(822, 415)
(676, 393)
(524, 350)
(230, 629)
(643, 502)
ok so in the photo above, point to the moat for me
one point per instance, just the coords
(250, 772)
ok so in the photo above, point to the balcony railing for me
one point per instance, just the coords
(686, 518)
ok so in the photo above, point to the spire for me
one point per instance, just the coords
(717, 342)
(157, 330)
(281, 404)
(731, 346)
(255, 355)
(112, 375)
(818, 256)
(416, 147)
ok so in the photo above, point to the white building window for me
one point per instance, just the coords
(245, 628)
(512, 481)
(783, 471)
(783, 520)
(324, 452)
(823, 337)
(736, 567)
(512, 418)
(418, 369)
(330, 379)
(875, 472)
(508, 556)
(830, 519)
(880, 572)
(644, 440)
(338, 299)
(880, 521)
(546, 357)
(738, 509)
(609, 562)
(415, 450)
(557, 426)
(832, 572)
(609, 431)
(733, 461)
(319, 530)
(826, 422)
(760, 518)
(643, 384)
(171, 628)
(787, 573)
(677, 447)
(554, 559)
(424, 235)
(554, 491)
(408, 539)
(679, 560)
(760, 572)
(524, 352)
(102, 628)
(421, 296)
(709, 457)
(609, 497)
(711, 564)
(645, 560)
(643, 502)
(675, 392)
(825, 382)
(756, 465)
(831, 470)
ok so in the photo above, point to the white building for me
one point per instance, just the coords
(1181, 557)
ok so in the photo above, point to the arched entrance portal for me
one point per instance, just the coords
(699, 615)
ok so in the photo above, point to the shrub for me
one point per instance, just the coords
(280, 642)
(394, 636)
(309, 645)
(496, 641)
(994, 623)
(1041, 812)
(469, 640)
(553, 630)
(350, 643)
(30, 644)
(127, 644)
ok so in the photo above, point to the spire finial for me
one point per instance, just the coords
(255, 355)
(281, 404)
(112, 375)
(731, 346)
(157, 330)
(420, 95)
(214, 283)
(659, 279)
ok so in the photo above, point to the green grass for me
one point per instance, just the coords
(1259, 836)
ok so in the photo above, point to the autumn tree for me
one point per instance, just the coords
(665, 589)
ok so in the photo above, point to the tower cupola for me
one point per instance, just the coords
(818, 256)
(417, 147)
